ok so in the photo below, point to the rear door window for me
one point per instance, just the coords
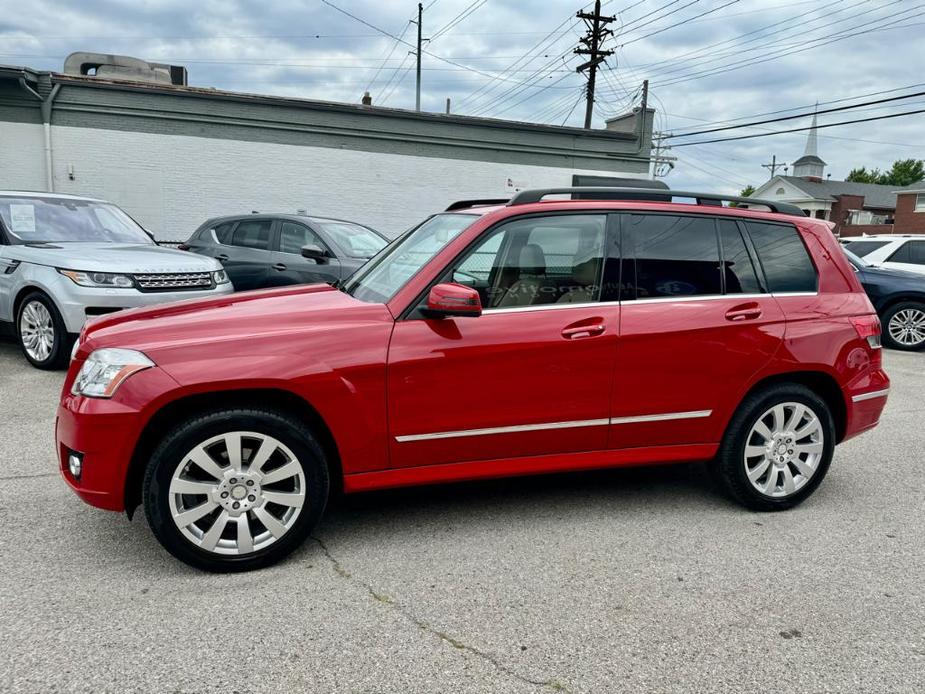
(675, 256)
(253, 234)
(739, 275)
(912, 252)
(785, 260)
(220, 233)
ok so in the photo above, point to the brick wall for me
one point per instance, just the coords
(908, 221)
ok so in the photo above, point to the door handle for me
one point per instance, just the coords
(221, 258)
(580, 331)
(744, 313)
(280, 267)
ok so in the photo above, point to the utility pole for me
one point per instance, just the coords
(773, 166)
(417, 98)
(591, 47)
(661, 163)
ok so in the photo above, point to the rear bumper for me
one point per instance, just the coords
(865, 399)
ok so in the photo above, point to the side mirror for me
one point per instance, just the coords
(316, 253)
(452, 300)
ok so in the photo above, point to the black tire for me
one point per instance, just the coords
(889, 314)
(729, 466)
(60, 354)
(171, 453)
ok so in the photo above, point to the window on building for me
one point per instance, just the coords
(783, 256)
(675, 256)
(253, 234)
(739, 272)
(780, 191)
(920, 202)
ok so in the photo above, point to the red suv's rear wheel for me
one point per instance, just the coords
(235, 490)
(777, 449)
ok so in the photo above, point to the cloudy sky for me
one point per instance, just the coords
(708, 62)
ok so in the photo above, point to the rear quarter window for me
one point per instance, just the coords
(783, 256)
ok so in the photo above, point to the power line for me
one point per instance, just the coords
(457, 19)
(819, 42)
(801, 115)
(796, 130)
(677, 24)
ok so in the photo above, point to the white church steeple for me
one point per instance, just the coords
(810, 166)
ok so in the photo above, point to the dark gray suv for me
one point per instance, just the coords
(274, 250)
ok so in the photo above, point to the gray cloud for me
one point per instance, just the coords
(308, 49)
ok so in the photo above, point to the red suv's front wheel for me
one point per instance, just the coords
(235, 490)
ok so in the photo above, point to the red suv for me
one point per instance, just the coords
(535, 335)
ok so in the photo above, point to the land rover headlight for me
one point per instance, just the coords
(98, 279)
(106, 369)
(220, 277)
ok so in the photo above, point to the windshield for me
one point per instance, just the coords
(357, 241)
(379, 280)
(62, 220)
(862, 248)
(856, 260)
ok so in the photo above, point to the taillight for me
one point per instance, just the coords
(868, 328)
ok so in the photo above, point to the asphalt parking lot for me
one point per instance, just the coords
(630, 580)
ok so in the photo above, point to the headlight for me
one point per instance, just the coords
(98, 279)
(220, 277)
(106, 369)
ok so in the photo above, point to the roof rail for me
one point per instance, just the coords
(650, 194)
(463, 204)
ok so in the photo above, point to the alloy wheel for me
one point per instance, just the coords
(907, 327)
(237, 493)
(37, 330)
(783, 449)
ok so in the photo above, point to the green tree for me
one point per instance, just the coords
(904, 172)
(862, 175)
(747, 192)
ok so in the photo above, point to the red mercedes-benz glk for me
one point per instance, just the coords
(493, 339)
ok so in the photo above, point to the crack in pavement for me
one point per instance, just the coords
(31, 477)
(553, 684)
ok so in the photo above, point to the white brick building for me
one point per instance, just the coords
(173, 156)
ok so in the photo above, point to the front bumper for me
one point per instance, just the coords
(105, 432)
(74, 301)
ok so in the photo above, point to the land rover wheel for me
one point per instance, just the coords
(235, 490)
(42, 333)
(777, 448)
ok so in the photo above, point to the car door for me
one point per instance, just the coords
(532, 374)
(288, 266)
(910, 256)
(247, 256)
(8, 279)
(696, 324)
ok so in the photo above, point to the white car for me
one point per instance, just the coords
(65, 259)
(898, 252)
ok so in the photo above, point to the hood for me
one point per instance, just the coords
(205, 325)
(112, 257)
(889, 273)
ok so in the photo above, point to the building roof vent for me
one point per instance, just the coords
(123, 67)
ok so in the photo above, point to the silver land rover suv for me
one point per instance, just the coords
(64, 259)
